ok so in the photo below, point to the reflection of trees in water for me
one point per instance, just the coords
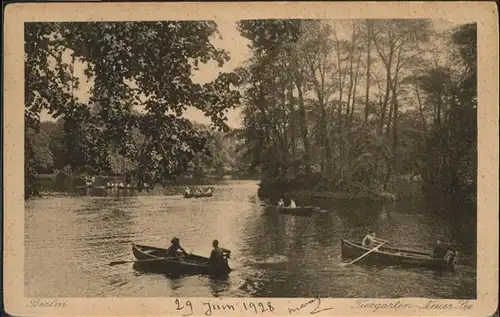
(325, 226)
(281, 244)
(452, 221)
(272, 233)
(108, 223)
(105, 192)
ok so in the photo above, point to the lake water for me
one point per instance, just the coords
(70, 239)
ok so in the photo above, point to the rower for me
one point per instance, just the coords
(371, 239)
(292, 204)
(218, 254)
(439, 250)
(175, 248)
(281, 203)
(187, 191)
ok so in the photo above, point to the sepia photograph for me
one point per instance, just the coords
(291, 157)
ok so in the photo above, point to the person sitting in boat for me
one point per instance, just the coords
(370, 239)
(292, 204)
(443, 251)
(187, 191)
(440, 250)
(281, 203)
(209, 190)
(175, 249)
(218, 254)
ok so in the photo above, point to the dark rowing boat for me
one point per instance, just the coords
(189, 265)
(84, 186)
(296, 211)
(398, 256)
(198, 195)
(120, 187)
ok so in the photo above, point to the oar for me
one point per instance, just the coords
(374, 249)
(137, 261)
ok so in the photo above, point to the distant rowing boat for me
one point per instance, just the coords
(296, 211)
(397, 256)
(198, 195)
(121, 187)
(84, 186)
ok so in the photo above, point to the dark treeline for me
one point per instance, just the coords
(130, 64)
(352, 106)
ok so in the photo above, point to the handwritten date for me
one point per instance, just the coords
(187, 309)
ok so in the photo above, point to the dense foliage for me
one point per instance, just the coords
(130, 64)
(220, 156)
(352, 105)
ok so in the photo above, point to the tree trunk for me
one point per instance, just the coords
(303, 129)
(292, 130)
(351, 117)
(368, 61)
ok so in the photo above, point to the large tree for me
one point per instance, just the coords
(130, 64)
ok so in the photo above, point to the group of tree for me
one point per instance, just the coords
(353, 105)
(50, 154)
(130, 65)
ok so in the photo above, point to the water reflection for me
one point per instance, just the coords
(71, 239)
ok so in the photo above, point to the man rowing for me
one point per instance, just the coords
(445, 252)
(218, 254)
(281, 203)
(175, 249)
(370, 239)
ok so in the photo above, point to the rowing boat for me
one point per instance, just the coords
(120, 187)
(296, 211)
(188, 265)
(84, 186)
(198, 195)
(398, 256)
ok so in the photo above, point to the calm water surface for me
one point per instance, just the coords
(70, 239)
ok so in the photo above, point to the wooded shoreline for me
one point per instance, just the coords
(272, 190)
(275, 189)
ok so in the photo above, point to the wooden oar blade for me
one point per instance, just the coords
(118, 263)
